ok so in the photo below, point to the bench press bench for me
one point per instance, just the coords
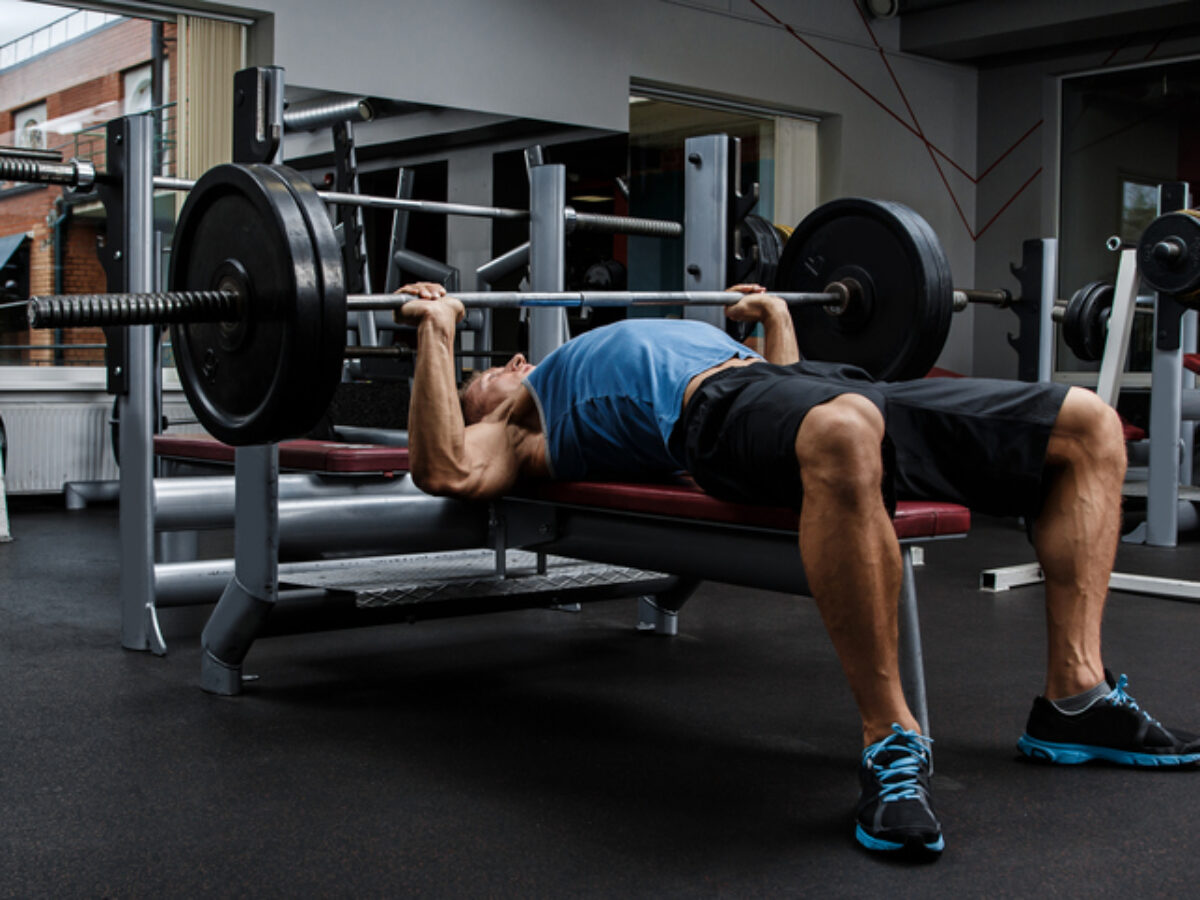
(662, 527)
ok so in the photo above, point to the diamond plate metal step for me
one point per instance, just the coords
(392, 581)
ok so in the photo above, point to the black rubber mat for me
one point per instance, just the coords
(550, 754)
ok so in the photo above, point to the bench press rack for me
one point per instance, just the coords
(643, 528)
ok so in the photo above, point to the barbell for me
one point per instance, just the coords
(258, 305)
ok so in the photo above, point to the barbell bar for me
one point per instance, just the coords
(575, 220)
(169, 307)
(25, 166)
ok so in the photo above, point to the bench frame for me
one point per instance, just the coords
(672, 528)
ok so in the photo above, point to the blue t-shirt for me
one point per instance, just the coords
(610, 398)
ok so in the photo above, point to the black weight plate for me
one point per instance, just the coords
(759, 249)
(1180, 276)
(900, 330)
(761, 242)
(1085, 321)
(320, 333)
(242, 222)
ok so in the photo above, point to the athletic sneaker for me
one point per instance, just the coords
(1114, 729)
(895, 812)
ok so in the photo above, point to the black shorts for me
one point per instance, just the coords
(977, 442)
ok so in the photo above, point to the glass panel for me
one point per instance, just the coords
(657, 131)
(63, 232)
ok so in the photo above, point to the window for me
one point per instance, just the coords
(29, 126)
(138, 90)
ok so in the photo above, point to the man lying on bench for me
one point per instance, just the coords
(647, 397)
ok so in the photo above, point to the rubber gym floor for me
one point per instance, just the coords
(553, 754)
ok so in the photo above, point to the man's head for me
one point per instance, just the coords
(486, 390)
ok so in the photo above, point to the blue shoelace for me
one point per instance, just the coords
(1118, 697)
(898, 779)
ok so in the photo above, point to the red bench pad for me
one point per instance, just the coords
(914, 519)
(309, 456)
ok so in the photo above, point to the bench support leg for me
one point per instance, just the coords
(251, 593)
(660, 612)
(912, 663)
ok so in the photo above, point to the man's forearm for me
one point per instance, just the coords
(435, 422)
(779, 335)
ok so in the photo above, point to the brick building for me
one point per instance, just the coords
(58, 99)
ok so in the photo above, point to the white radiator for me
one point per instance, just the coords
(57, 419)
(53, 442)
(50, 444)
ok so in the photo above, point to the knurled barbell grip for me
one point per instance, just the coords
(77, 310)
(574, 299)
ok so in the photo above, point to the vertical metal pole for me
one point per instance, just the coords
(547, 255)
(358, 273)
(1046, 332)
(1187, 438)
(5, 534)
(1120, 329)
(133, 140)
(250, 596)
(1163, 468)
(705, 221)
(912, 661)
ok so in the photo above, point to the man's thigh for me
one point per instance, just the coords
(978, 442)
(741, 441)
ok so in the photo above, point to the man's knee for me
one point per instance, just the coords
(1088, 433)
(839, 443)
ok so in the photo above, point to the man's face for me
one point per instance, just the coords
(496, 385)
